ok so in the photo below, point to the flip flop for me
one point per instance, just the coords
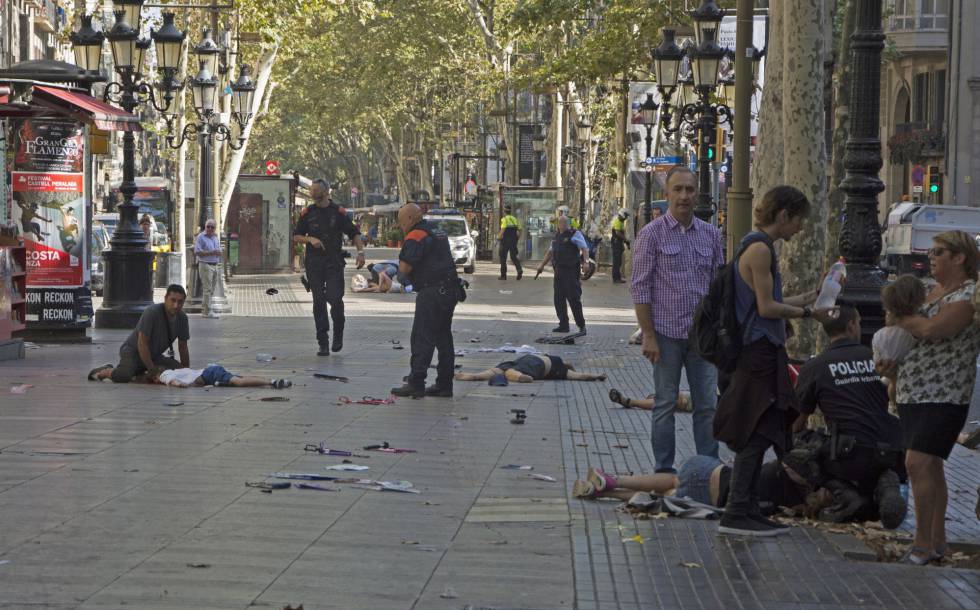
(617, 397)
(92, 374)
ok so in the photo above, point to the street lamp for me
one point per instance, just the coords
(538, 144)
(585, 129)
(648, 118)
(128, 263)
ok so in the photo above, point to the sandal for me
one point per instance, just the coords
(92, 374)
(617, 397)
(583, 489)
(601, 481)
(911, 558)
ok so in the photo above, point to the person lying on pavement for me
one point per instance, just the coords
(532, 367)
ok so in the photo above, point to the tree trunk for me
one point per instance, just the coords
(841, 98)
(767, 170)
(804, 155)
(263, 74)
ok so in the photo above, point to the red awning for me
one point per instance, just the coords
(86, 109)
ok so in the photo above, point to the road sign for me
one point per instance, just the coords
(917, 188)
(272, 168)
(663, 160)
(918, 176)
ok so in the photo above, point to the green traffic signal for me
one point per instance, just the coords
(933, 188)
(711, 153)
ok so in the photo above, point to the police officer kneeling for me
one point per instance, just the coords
(426, 259)
(866, 453)
(568, 253)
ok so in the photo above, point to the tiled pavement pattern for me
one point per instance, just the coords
(109, 496)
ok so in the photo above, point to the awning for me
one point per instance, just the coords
(86, 109)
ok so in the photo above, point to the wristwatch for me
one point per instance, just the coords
(807, 311)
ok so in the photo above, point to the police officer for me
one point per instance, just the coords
(510, 233)
(568, 253)
(322, 227)
(427, 263)
(619, 244)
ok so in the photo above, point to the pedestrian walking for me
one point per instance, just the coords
(207, 252)
(322, 227)
(509, 235)
(568, 254)
(619, 245)
(674, 260)
(427, 261)
(758, 407)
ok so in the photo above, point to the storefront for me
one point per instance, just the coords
(535, 209)
(260, 214)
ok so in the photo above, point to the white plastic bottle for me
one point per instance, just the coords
(831, 285)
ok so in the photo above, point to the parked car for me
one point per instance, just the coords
(461, 239)
(99, 242)
(911, 227)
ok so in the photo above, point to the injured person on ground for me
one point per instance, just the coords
(531, 367)
(212, 374)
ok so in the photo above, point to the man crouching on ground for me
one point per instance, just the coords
(145, 348)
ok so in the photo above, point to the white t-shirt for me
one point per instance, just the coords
(180, 377)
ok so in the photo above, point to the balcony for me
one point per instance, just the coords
(919, 32)
(916, 143)
(45, 16)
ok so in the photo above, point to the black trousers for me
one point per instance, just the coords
(568, 293)
(130, 366)
(511, 249)
(327, 284)
(618, 248)
(432, 329)
(742, 497)
(862, 467)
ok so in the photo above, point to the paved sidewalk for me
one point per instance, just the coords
(117, 496)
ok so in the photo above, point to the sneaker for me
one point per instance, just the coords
(746, 526)
(601, 481)
(408, 391)
(769, 522)
(583, 489)
(338, 342)
(520, 274)
(93, 374)
(444, 392)
(892, 507)
(281, 384)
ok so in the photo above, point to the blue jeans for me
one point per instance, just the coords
(702, 377)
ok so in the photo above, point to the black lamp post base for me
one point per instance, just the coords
(863, 291)
(128, 288)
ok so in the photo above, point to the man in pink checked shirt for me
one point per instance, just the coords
(674, 259)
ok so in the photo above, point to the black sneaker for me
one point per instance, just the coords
(324, 350)
(520, 274)
(338, 342)
(443, 392)
(746, 526)
(306, 283)
(281, 384)
(892, 507)
(560, 329)
(408, 391)
(769, 522)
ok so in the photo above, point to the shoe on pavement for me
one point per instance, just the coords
(769, 522)
(560, 329)
(601, 481)
(583, 489)
(746, 526)
(324, 350)
(338, 343)
(281, 384)
(520, 274)
(93, 374)
(502, 277)
(408, 391)
(434, 390)
(892, 507)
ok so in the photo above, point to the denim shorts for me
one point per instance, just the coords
(216, 374)
(695, 478)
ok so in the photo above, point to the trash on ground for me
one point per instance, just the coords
(621, 446)
(517, 467)
(449, 592)
(302, 476)
(520, 416)
(506, 348)
(271, 292)
(399, 486)
(199, 565)
(506, 291)
(323, 450)
(690, 564)
(4, 561)
(173, 403)
(267, 486)
(314, 487)
(542, 477)
(331, 377)
(21, 389)
(385, 447)
(262, 357)
(348, 467)
(637, 538)
(366, 400)
(274, 399)
(474, 340)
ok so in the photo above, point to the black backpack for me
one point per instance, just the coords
(716, 334)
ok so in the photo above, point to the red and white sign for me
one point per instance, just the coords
(49, 210)
(272, 168)
(25, 182)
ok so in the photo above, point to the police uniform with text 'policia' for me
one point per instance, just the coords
(433, 276)
(567, 259)
(618, 247)
(511, 228)
(325, 267)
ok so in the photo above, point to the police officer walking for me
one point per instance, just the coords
(510, 233)
(322, 227)
(568, 253)
(426, 259)
(619, 244)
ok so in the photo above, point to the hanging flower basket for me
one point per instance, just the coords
(915, 146)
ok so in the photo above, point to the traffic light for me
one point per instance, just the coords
(719, 144)
(935, 180)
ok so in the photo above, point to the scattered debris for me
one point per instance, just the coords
(506, 291)
(272, 292)
(385, 447)
(348, 467)
(173, 403)
(517, 467)
(274, 399)
(542, 477)
(302, 476)
(323, 450)
(449, 592)
(621, 446)
(520, 416)
(314, 487)
(506, 348)
(21, 389)
(331, 377)
(690, 564)
(267, 486)
(474, 340)
(263, 357)
(366, 400)
(637, 538)
(199, 565)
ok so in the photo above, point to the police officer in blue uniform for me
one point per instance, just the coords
(322, 227)
(568, 254)
(427, 263)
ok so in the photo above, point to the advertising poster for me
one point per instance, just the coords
(49, 212)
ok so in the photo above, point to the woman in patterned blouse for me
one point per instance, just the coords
(935, 384)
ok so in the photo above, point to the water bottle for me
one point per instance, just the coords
(831, 286)
(261, 357)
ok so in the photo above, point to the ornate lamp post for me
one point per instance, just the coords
(128, 263)
(648, 118)
(860, 235)
(585, 131)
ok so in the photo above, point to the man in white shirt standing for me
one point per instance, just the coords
(207, 250)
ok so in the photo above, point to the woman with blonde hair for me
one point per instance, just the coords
(935, 384)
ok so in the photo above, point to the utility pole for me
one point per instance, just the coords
(739, 219)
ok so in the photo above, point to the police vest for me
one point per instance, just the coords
(510, 225)
(436, 267)
(326, 224)
(564, 251)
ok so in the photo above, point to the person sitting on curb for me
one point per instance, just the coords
(215, 375)
(646, 404)
(531, 367)
(154, 335)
